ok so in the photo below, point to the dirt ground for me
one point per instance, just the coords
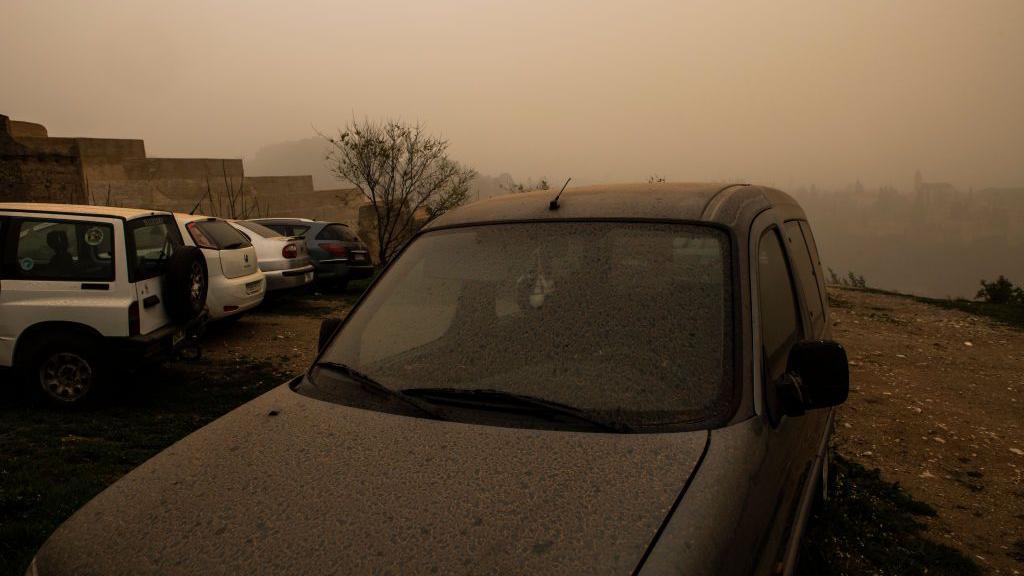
(937, 405)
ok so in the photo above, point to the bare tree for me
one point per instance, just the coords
(403, 172)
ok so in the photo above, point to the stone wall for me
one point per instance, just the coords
(37, 168)
(45, 173)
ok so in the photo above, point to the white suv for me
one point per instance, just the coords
(81, 286)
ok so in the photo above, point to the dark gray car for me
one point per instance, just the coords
(338, 255)
(632, 380)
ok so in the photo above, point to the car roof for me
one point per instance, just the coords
(731, 205)
(182, 217)
(80, 209)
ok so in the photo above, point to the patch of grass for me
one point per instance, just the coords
(54, 461)
(871, 526)
(1010, 314)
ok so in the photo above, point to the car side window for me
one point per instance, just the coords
(780, 320)
(53, 249)
(806, 274)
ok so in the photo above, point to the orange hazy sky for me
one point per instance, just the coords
(785, 92)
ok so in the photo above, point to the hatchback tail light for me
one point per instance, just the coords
(335, 249)
(290, 251)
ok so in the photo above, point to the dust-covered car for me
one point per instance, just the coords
(336, 251)
(628, 380)
(236, 282)
(284, 260)
(87, 289)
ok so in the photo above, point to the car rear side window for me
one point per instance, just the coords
(216, 235)
(285, 229)
(152, 241)
(780, 320)
(337, 232)
(53, 249)
(806, 274)
(259, 229)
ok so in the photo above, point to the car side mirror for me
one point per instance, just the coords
(817, 376)
(328, 326)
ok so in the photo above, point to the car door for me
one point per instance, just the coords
(63, 268)
(780, 323)
(151, 242)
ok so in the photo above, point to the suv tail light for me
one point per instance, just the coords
(134, 321)
(335, 249)
(290, 251)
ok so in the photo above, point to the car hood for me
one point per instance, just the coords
(290, 484)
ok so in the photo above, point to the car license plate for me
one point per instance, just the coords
(309, 276)
(177, 337)
(359, 257)
(252, 287)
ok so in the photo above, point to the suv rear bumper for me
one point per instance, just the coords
(162, 342)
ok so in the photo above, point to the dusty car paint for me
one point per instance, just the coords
(323, 488)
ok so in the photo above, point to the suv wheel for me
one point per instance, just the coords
(65, 369)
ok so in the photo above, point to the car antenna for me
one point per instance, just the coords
(553, 205)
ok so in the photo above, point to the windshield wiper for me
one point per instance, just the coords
(501, 400)
(372, 385)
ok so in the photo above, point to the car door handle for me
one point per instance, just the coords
(150, 301)
(95, 286)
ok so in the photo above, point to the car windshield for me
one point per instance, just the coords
(258, 229)
(631, 320)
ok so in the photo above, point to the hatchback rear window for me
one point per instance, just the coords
(216, 235)
(337, 232)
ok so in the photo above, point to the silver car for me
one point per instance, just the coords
(283, 260)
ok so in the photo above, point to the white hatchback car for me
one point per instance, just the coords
(236, 282)
(86, 289)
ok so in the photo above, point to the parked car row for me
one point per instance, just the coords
(82, 285)
(632, 380)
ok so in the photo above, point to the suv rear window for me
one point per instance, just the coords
(151, 242)
(216, 235)
(337, 232)
(51, 249)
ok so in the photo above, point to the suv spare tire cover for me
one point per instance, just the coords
(185, 284)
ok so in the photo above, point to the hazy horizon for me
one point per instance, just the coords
(787, 93)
